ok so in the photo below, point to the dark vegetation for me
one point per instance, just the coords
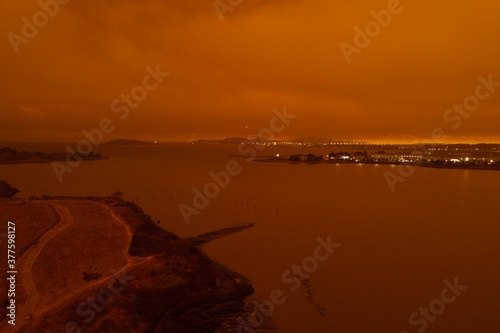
(6, 190)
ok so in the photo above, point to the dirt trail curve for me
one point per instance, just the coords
(28, 259)
(25, 264)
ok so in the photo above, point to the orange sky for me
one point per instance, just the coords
(227, 76)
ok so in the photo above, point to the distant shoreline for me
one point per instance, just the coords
(3, 162)
(492, 167)
(12, 156)
(124, 142)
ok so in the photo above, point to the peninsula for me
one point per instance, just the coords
(12, 156)
(102, 265)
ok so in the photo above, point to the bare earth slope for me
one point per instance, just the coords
(101, 265)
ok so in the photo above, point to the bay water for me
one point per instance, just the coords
(422, 258)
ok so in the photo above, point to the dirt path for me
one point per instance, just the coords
(26, 263)
(128, 231)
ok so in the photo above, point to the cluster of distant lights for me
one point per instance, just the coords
(404, 158)
(362, 144)
(295, 144)
(348, 143)
(400, 158)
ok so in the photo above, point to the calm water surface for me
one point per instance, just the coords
(396, 249)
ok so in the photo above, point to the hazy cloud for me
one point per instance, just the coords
(226, 76)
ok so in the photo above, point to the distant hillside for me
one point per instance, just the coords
(236, 140)
(124, 142)
(312, 140)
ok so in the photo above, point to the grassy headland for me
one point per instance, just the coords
(72, 251)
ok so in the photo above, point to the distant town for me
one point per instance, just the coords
(458, 156)
(438, 155)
